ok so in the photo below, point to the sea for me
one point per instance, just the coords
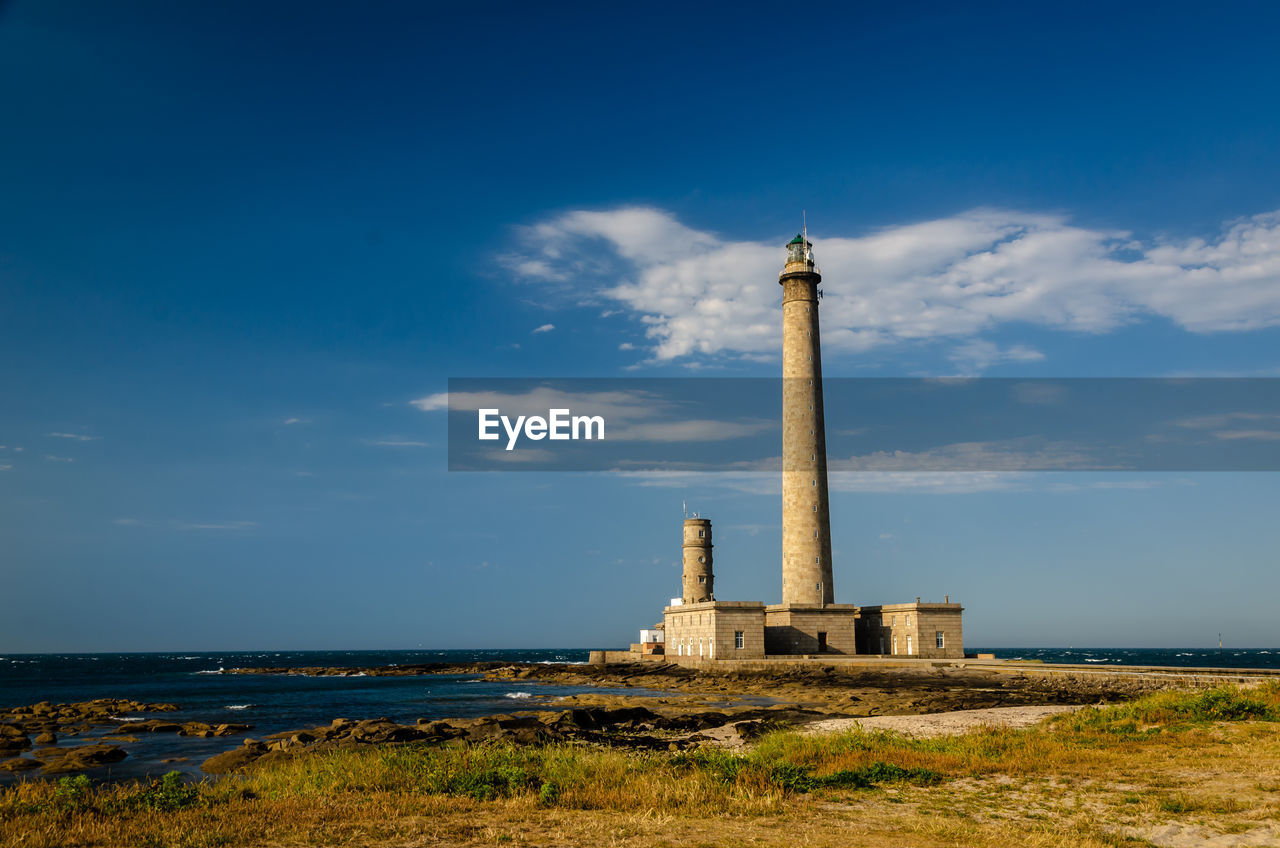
(275, 703)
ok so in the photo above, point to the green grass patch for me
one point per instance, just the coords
(1154, 714)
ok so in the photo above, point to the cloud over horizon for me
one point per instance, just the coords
(950, 280)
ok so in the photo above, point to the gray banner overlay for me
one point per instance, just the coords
(729, 424)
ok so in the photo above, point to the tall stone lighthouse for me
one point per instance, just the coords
(697, 627)
(806, 515)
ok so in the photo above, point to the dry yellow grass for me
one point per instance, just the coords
(1165, 768)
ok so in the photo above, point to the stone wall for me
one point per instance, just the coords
(795, 629)
(911, 630)
(708, 631)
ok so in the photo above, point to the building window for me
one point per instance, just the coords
(815, 507)
(813, 482)
(702, 578)
(908, 617)
(895, 624)
(739, 639)
(702, 534)
(908, 644)
(702, 559)
(941, 639)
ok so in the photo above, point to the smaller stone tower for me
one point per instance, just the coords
(699, 581)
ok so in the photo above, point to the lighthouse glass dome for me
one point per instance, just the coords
(799, 250)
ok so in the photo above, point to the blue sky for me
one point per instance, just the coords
(238, 241)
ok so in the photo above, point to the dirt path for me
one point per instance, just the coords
(943, 724)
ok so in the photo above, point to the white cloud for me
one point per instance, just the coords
(53, 458)
(626, 346)
(1224, 419)
(1226, 426)
(397, 443)
(5, 466)
(906, 482)
(694, 430)
(1019, 454)
(953, 278)
(539, 455)
(770, 484)
(221, 525)
(431, 403)
(1254, 435)
(979, 354)
(545, 328)
(76, 436)
(289, 421)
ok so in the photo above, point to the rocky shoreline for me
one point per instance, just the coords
(46, 725)
(697, 707)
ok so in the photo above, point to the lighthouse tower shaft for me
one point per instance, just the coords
(806, 516)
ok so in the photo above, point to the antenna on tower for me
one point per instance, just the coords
(684, 505)
(804, 234)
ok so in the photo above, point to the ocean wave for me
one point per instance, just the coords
(518, 695)
(239, 706)
(125, 718)
(218, 670)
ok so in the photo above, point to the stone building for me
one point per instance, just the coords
(697, 627)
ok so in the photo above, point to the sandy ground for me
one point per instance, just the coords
(943, 724)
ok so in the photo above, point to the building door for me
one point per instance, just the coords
(822, 642)
(908, 645)
(895, 645)
(882, 645)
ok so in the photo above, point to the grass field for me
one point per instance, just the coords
(1167, 769)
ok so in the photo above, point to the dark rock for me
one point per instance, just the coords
(19, 764)
(235, 759)
(231, 729)
(154, 726)
(46, 738)
(81, 758)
